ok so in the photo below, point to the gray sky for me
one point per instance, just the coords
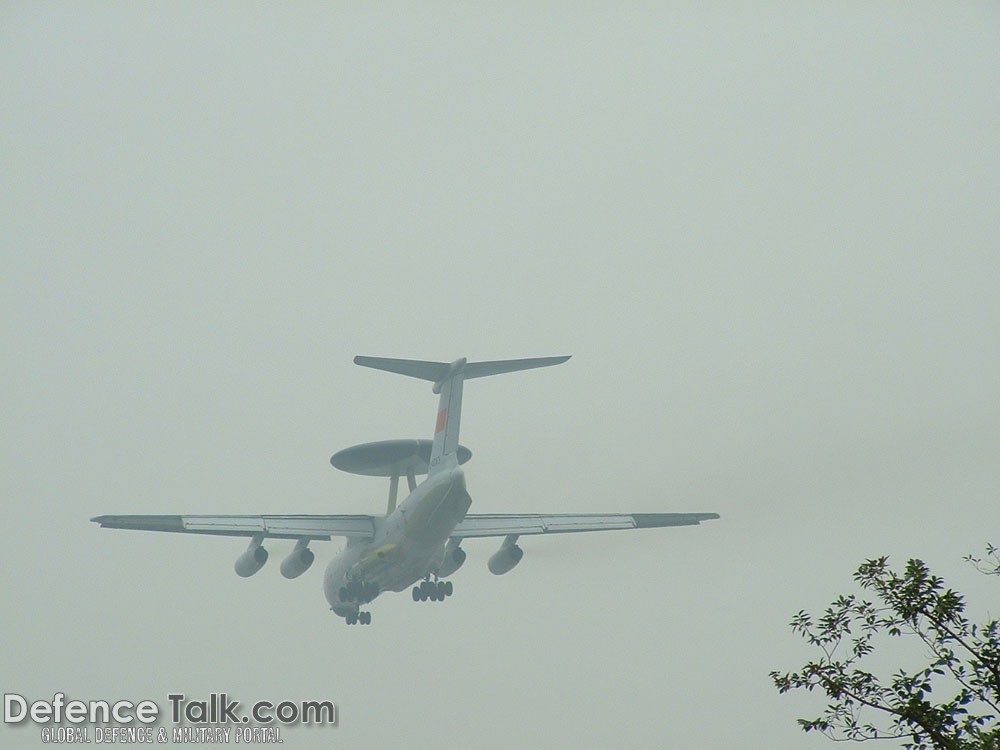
(767, 234)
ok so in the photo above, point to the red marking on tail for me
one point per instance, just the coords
(442, 419)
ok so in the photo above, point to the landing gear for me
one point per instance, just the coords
(435, 591)
(359, 618)
(361, 592)
(358, 592)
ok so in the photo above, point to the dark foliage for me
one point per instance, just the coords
(951, 701)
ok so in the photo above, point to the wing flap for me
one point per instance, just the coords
(274, 527)
(475, 525)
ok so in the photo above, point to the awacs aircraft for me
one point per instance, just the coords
(416, 543)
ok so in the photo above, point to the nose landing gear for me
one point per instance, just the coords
(361, 592)
(358, 592)
(359, 618)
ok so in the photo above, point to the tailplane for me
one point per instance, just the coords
(436, 372)
(448, 379)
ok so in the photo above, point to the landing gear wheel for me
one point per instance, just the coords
(434, 591)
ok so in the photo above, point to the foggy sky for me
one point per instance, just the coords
(766, 234)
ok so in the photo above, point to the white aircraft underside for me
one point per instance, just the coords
(419, 541)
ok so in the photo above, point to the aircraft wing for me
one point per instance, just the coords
(565, 523)
(325, 527)
(271, 527)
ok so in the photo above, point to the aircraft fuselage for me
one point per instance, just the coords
(408, 545)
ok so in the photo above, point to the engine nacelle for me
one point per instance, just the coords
(298, 561)
(505, 558)
(453, 559)
(252, 560)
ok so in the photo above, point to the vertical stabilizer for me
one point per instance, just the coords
(449, 418)
(448, 380)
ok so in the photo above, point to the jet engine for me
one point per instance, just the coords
(252, 560)
(298, 561)
(454, 556)
(505, 558)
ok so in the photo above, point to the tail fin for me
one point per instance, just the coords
(448, 379)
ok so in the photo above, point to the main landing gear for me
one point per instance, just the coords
(356, 618)
(435, 591)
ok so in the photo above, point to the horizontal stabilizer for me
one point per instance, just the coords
(482, 369)
(436, 372)
(414, 368)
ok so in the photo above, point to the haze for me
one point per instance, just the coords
(767, 235)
